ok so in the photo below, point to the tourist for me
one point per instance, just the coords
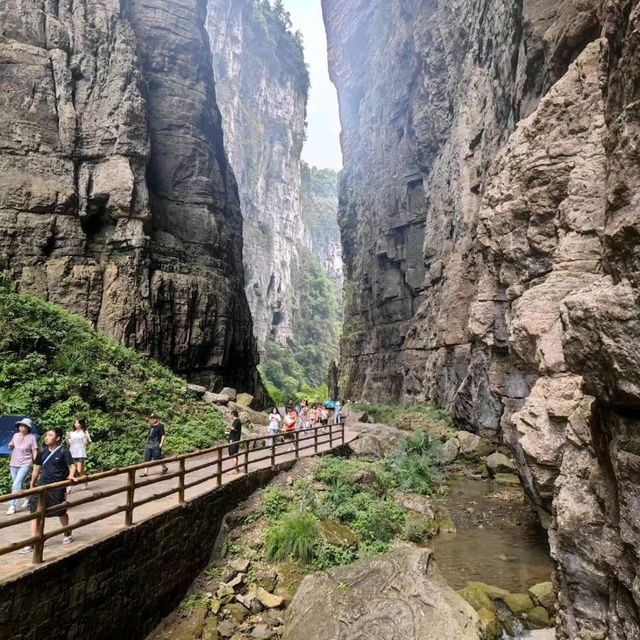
(235, 433)
(155, 443)
(53, 464)
(24, 448)
(290, 425)
(304, 418)
(78, 440)
(338, 412)
(324, 416)
(274, 425)
(313, 416)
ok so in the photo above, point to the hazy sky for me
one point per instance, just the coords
(322, 147)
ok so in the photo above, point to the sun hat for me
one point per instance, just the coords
(25, 422)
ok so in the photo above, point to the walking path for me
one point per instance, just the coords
(13, 565)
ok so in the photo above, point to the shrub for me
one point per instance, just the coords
(294, 537)
(274, 504)
(328, 556)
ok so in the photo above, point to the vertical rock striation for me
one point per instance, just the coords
(262, 85)
(116, 198)
(490, 219)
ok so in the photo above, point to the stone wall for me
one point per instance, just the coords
(123, 586)
(116, 197)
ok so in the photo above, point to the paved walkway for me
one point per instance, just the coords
(14, 564)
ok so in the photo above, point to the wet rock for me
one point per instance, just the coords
(507, 479)
(490, 590)
(337, 534)
(364, 599)
(544, 595)
(518, 603)
(476, 597)
(491, 627)
(538, 618)
(269, 600)
(499, 463)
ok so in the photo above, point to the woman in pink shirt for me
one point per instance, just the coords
(24, 448)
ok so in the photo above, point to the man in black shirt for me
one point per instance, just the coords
(52, 464)
(155, 442)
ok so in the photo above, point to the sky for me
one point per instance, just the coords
(322, 147)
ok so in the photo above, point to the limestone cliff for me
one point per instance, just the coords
(262, 85)
(490, 219)
(116, 197)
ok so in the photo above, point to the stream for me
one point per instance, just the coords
(498, 539)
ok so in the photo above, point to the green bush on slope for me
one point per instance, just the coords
(54, 367)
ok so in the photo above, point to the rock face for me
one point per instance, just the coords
(398, 596)
(262, 85)
(490, 217)
(116, 197)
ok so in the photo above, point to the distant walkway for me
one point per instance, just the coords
(205, 480)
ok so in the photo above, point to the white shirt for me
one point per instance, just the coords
(78, 441)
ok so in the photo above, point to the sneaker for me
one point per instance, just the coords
(11, 510)
(25, 550)
(25, 503)
(67, 540)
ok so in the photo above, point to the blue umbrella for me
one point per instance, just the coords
(7, 429)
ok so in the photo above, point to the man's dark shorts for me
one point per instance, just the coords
(152, 453)
(54, 497)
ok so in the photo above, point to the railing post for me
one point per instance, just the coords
(131, 488)
(315, 441)
(181, 481)
(246, 459)
(273, 451)
(297, 433)
(38, 546)
(342, 431)
(331, 436)
(219, 467)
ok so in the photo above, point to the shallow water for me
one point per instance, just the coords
(509, 550)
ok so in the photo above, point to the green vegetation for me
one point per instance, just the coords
(278, 43)
(55, 368)
(299, 369)
(295, 537)
(359, 495)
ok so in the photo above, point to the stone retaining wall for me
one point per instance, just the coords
(123, 586)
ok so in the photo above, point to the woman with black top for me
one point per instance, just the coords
(235, 433)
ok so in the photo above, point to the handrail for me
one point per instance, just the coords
(331, 435)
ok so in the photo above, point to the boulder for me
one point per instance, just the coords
(543, 595)
(262, 632)
(491, 627)
(476, 597)
(244, 399)
(473, 446)
(367, 446)
(396, 595)
(215, 398)
(499, 463)
(518, 603)
(230, 393)
(240, 565)
(269, 600)
(538, 618)
(414, 502)
(197, 390)
(449, 451)
(493, 592)
(250, 415)
(368, 478)
(237, 612)
(226, 629)
(337, 534)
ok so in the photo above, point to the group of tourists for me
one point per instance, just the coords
(64, 457)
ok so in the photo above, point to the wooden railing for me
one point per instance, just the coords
(277, 449)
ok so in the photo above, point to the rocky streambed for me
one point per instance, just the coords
(473, 552)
